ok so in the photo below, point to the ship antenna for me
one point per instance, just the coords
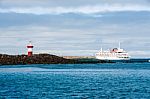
(101, 46)
(101, 49)
(119, 45)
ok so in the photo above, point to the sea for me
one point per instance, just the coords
(75, 81)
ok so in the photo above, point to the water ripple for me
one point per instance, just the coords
(75, 83)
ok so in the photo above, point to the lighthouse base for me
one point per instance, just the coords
(29, 53)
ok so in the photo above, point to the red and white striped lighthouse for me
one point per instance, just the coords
(30, 47)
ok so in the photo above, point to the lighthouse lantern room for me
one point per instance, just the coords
(30, 49)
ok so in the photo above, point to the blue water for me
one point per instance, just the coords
(80, 81)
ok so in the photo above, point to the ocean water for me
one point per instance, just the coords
(76, 81)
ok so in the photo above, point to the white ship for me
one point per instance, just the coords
(113, 54)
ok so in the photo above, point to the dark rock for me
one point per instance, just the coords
(35, 59)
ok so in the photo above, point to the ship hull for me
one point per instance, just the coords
(111, 58)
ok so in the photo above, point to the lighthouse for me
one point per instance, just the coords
(30, 49)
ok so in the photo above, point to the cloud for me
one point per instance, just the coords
(70, 41)
(81, 9)
(69, 3)
(80, 29)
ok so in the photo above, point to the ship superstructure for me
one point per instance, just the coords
(113, 54)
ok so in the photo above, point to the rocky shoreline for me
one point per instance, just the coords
(35, 59)
(53, 59)
(43, 59)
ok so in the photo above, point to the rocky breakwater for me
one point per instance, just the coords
(35, 59)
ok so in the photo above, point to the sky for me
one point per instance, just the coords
(75, 27)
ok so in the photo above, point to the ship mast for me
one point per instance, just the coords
(101, 49)
(119, 45)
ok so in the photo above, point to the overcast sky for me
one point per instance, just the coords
(75, 27)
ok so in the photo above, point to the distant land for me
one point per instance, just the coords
(53, 59)
(35, 59)
(43, 59)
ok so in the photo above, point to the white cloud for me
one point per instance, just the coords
(81, 9)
